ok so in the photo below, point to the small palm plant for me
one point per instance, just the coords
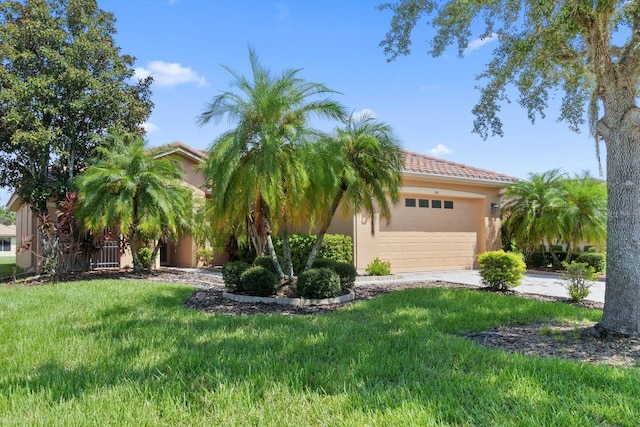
(135, 190)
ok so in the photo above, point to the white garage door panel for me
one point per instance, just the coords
(424, 251)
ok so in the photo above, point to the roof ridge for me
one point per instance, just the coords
(416, 162)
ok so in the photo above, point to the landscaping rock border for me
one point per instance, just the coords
(294, 302)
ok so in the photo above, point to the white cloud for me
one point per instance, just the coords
(169, 74)
(172, 2)
(478, 43)
(149, 127)
(440, 150)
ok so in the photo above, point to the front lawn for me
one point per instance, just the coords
(120, 352)
(6, 266)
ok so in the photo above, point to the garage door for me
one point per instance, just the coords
(426, 236)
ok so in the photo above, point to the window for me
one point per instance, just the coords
(448, 204)
(5, 245)
(436, 204)
(410, 203)
(423, 203)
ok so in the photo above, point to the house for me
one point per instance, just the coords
(7, 240)
(447, 215)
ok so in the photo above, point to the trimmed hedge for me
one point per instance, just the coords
(593, 259)
(265, 261)
(346, 271)
(231, 273)
(258, 281)
(500, 269)
(319, 283)
(336, 247)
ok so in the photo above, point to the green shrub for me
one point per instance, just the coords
(336, 247)
(319, 283)
(578, 278)
(265, 261)
(300, 245)
(245, 253)
(536, 259)
(377, 267)
(347, 273)
(596, 260)
(144, 256)
(205, 255)
(258, 281)
(323, 263)
(231, 273)
(500, 269)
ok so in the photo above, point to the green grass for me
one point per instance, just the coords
(6, 266)
(129, 353)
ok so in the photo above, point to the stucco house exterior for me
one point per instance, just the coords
(448, 214)
(7, 240)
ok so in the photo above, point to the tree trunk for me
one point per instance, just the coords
(554, 257)
(286, 251)
(274, 258)
(154, 254)
(137, 265)
(622, 292)
(315, 250)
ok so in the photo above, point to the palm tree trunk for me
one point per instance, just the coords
(137, 265)
(554, 257)
(315, 250)
(286, 250)
(154, 254)
(274, 258)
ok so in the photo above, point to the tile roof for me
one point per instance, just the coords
(419, 163)
(177, 145)
(7, 230)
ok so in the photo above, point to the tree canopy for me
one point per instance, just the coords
(63, 81)
(257, 170)
(137, 191)
(587, 50)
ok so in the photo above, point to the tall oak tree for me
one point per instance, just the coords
(588, 49)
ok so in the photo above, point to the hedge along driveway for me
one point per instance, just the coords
(128, 352)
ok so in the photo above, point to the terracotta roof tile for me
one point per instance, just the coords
(419, 163)
(7, 230)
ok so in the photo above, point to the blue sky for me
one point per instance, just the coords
(428, 101)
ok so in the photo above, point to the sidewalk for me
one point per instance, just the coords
(533, 283)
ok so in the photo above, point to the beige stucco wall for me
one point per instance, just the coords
(423, 239)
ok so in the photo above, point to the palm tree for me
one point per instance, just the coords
(532, 210)
(584, 216)
(365, 160)
(256, 170)
(133, 189)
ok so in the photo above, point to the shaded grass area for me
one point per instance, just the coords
(7, 263)
(119, 352)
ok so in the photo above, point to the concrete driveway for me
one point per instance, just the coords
(533, 283)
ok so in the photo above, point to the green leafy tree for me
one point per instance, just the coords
(137, 191)
(6, 217)
(590, 50)
(583, 217)
(362, 171)
(257, 170)
(532, 211)
(63, 80)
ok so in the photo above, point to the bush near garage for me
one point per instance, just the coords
(501, 270)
